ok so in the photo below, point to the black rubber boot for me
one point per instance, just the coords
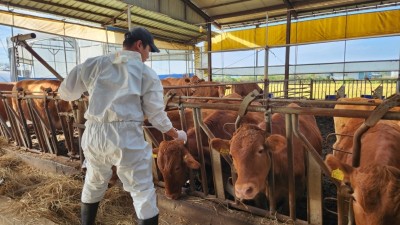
(150, 221)
(88, 213)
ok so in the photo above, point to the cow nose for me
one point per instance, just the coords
(245, 191)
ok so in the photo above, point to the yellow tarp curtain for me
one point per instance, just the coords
(60, 28)
(321, 30)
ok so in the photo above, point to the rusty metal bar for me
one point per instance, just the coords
(26, 140)
(310, 148)
(52, 129)
(196, 118)
(35, 123)
(243, 106)
(40, 59)
(184, 127)
(15, 122)
(67, 137)
(291, 181)
(80, 120)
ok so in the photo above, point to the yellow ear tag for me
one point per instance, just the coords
(154, 156)
(337, 174)
(224, 151)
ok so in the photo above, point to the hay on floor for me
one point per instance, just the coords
(57, 197)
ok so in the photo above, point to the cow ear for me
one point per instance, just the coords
(155, 151)
(220, 145)
(275, 142)
(190, 161)
(338, 169)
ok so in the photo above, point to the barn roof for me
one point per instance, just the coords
(179, 20)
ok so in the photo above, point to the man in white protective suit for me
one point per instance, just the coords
(122, 91)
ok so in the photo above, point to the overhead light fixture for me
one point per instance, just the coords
(201, 29)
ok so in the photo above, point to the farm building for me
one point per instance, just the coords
(295, 83)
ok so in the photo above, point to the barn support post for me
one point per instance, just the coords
(287, 55)
(209, 49)
(128, 12)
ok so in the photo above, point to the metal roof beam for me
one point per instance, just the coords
(89, 12)
(291, 8)
(201, 13)
(303, 6)
(59, 14)
(165, 37)
(251, 11)
(61, 6)
(315, 5)
(223, 4)
(132, 13)
(197, 9)
(95, 21)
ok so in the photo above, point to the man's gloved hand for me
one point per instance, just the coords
(181, 135)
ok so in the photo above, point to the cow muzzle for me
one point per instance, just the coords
(246, 191)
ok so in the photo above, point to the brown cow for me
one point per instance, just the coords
(38, 87)
(175, 119)
(174, 162)
(170, 81)
(346, 127)
(245, 89)
(250, 147)
(376, 191)
(215, 121)
(222, 125)
(210, 91)
(376, 181)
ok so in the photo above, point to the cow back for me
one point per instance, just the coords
(38, 87)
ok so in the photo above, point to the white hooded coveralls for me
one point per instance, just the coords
(122, 90)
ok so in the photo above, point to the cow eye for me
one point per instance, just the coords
(177, 168)
(261, 151)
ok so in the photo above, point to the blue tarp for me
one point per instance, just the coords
(175, 75)
(41, 78)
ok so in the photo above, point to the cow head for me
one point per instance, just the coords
(174, 161)
(376, 191)
(249, 151)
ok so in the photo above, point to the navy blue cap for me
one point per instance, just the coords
(140, 33)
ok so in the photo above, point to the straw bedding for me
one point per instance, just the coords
(56, 197)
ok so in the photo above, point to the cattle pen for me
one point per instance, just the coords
(310, 209)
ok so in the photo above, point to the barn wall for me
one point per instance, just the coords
(320, 30)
